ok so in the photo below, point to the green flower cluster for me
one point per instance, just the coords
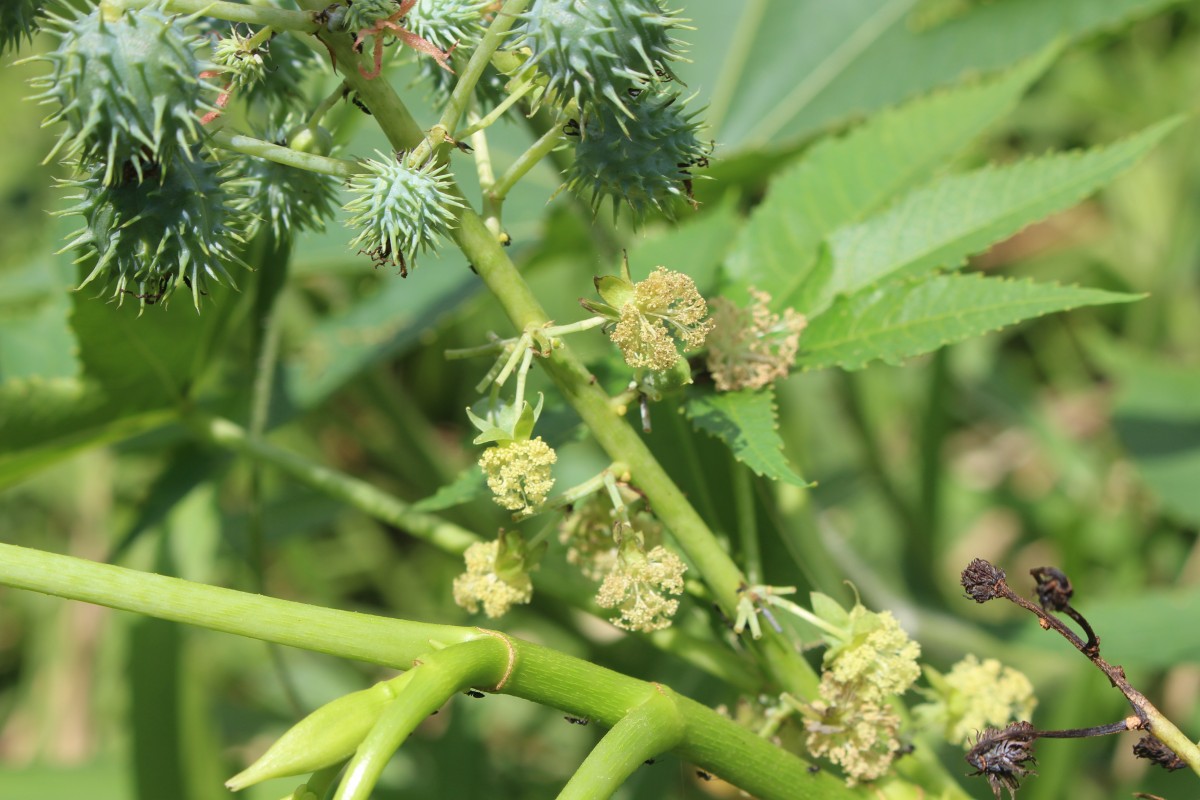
(652, 318)
(870, 660)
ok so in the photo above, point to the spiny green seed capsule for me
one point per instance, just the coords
(400, 210)
(448, 22)
(286, 198)
(147, 234)
(286, 63)
(363, 14)
(457, 24)
(594, 51)
(18, 20)
(649, 166)
(127, 89)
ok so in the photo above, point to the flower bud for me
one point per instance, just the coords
(326, 736)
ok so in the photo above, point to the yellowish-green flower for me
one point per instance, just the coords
(752, 347)
(497, 575)
(975, 696)
(878, 660)
(854, 732)
(665, 307)
(653, 317)
(639, 587)
(593, 531)
(518, 472)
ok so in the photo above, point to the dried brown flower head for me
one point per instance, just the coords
(1002, 755)
(982, 580)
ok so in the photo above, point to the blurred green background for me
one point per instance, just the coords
(1072, 441)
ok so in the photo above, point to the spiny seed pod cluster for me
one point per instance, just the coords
(127, 90)
(636, 143)
(400, 210)
(454, 26)
(644, 161)
(272, 73)
(595, 51)
(362, 14)
(284, 198)
(18, 20)
(146, 234)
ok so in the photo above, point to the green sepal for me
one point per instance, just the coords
(616, 291)
(514, 559)
(830, 610)
(502, 423)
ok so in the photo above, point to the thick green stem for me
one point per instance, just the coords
(356, 493)
(439, 677)
(518, 668)
(337, 167)
(648, 729)
(390, 642)
(277, 18)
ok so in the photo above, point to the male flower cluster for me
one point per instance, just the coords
(751, 347)
(497, 575)
(651, 316)
(518, 472)
(640, 585)
(974, 696)
(869, 661)
(594, 528)
(517, 467)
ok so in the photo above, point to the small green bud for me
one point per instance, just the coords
(327, 736)
(310, 139)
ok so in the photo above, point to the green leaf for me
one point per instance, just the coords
(381, 326)
(943, 223)
(137, 369)
(1156, 414)
(843, 180)
(901, 319)
(746, 422)
(35, 338)
(793, 67)
(468, 486)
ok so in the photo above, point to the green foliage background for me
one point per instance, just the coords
(1071, 440)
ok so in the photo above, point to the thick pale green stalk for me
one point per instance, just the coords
(712, 742)
(276, 18)
(356, 493)
(392, 643)
(646, 731)
(337, 167)
(519, 668)
(439, 677)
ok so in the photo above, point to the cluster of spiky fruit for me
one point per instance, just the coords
(127, 89)
(612, 58)
(18, 20)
